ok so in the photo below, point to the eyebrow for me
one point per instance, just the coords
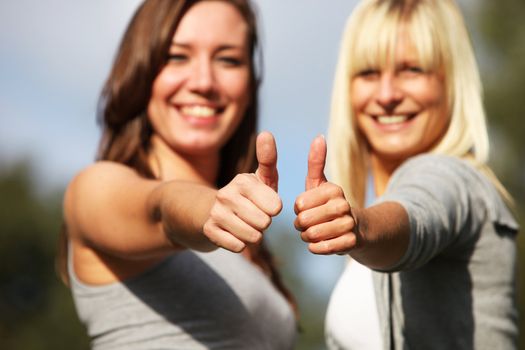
(220, 48)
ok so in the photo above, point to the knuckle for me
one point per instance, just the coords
(342, 207)
(297, 225)
(216, 213)
(222, 195)
(238, 247)
(313, 233)
(210, 233)
(239, 181)
(277, 207)
(206, 228)
(299, 204)
(256, 237)
(303, 219)
(266, 222)
(349, 242)
(304, 237)
(244, 179)
(239, 178)
(334, 190)
(328, 247)
(348, 223)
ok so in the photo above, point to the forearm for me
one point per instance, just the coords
(181, 209)
(382, 233)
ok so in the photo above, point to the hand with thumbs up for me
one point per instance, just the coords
(244, 208)
(324, 216)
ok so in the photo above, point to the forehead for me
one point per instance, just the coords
(384, 39)
(212, 21)
(404, 47)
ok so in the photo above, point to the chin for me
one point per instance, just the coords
(394, 155)
(199, 148)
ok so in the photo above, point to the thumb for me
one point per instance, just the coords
(316, 161)
(266, 151)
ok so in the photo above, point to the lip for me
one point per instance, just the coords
(200, 115)
(393, 122)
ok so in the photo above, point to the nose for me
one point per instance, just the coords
(201, 79)
(388, 95)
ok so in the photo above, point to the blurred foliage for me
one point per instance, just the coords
(289, 251)
(36, 310)
(502, 30)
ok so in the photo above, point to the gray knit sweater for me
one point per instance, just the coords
(456, 286)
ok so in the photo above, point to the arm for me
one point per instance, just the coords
(111, 208)
(377, 236)
(384, 230)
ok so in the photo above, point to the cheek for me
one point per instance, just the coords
(363, 126)
(442, 118)
(161, 90)
(154, 114)
(438, 103)
(431, 93)
(166, 83)
(238, 87)
(359, 95)
(434, 98)
(358, 102)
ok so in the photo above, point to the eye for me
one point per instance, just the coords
(411, 69)
(230, 61)
(416, 69)
(368, 73)
(177, 57)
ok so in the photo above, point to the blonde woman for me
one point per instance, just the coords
(413, 202)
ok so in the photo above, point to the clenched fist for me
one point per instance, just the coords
(244, 208)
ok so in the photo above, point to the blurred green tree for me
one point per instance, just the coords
(502, 37)
(36, 311)
(290, 253)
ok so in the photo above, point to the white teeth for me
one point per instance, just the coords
(198, 111)
(391, 119)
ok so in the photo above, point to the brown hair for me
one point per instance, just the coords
(141, 56)
(126, 131)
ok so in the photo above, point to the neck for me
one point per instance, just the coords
(168, 164)
(382, 170)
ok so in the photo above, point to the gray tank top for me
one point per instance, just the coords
(190, 300)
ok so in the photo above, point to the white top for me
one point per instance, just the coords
(352, 320)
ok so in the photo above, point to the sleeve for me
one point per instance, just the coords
(439, 194)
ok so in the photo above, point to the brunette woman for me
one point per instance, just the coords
(177, 178)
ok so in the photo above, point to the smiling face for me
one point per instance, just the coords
(401, 108)
(200, 96)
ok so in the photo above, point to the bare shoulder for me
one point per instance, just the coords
(93, 188)
(102, 172)
(97, 179)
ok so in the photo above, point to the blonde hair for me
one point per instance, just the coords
(438, 32)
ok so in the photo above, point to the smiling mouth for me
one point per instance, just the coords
(197, 111)
(393, 119)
